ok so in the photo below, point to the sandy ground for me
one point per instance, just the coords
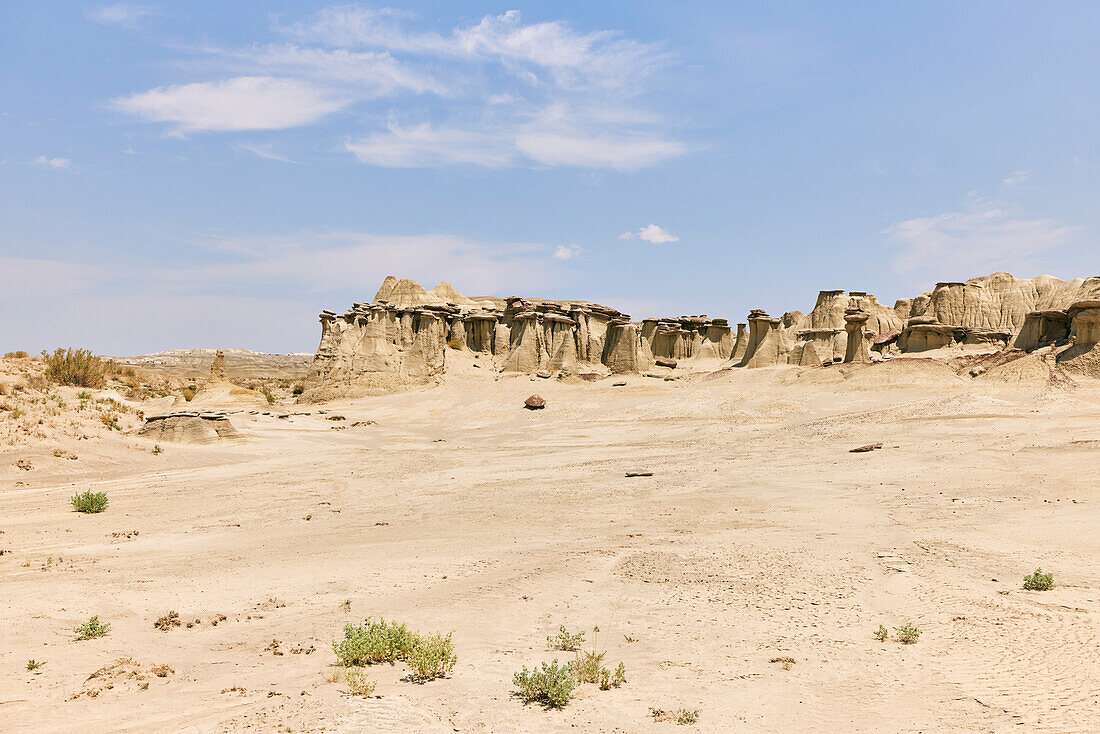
(759, 536)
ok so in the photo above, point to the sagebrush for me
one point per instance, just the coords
(429, 655)
(1039, 581)
(77, 367)
(92, 628)
(90, 502)
(552, 685)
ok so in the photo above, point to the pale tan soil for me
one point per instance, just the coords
(192, 364)
(759, 536)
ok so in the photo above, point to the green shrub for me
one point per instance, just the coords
(882, 633)
(687, 717)
(553, 685)
(90, 501)
(78, 367)
(610, 680)
(432, 656)
(1039, 581)
(907, 634)
(359, 683)
(92, 628)
(33, 664)
(565, 641)
(374, 642)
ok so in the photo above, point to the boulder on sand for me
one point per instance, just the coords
(534, 403)
(188, 427)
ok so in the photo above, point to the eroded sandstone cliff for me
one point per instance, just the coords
(409, 336)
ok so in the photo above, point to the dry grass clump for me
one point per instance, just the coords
(456, 343)
(680, 716)
(167, 622)
(90, 502)
(16, 355)
(1039, 581)
(77, 367)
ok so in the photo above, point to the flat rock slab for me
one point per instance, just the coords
(864, 449)
(662, 362)
(639, 473)
(534, 403)
(544, 375)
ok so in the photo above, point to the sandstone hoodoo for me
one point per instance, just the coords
(409, 336)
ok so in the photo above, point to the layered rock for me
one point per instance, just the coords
(405, 337)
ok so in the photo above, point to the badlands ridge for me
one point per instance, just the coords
(409, 336)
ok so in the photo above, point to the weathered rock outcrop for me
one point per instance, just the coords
(405, 337)
(188, 427)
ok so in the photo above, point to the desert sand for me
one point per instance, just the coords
(758, 536)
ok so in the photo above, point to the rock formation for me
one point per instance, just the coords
(188, 427)
(409, 336)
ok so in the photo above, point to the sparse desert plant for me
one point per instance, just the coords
(456, 343)
(83, 395)
(345, 605)
(432, 656)
(92, 628)
(110, 420)
(359, 683)
(78, 367)
(167, 622)
(33, 664)
(680, 716)
(1039, 581)
(907, 634)
(882, 633)
(265, 389)
(162, 671)
(189, 392)
(610, 680)
(374, 642)
(298, 389)
(16, 355)
(786, 661)
(565, 641)
(90, 502)
(588, 665)
(552, 685)
(157, 449)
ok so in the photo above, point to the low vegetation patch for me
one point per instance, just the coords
(33, 664)
(359, 684)
(907, 634)
(882, 633)
(432, 656)
(92, 628)
(680, 716)
(90, 502)
(77, 367)
(552, 685)
(429, 655)
(565, 641)
(1039, 581)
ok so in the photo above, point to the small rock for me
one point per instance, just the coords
(977, 371)
(336, 418)
(662, 362)
(534, 403)
(618, 384)
(639, 473)
(543, 375)
(864, 449)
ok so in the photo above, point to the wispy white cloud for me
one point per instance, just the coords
(244, 103)
(122, 14)
(424, 145)
(1016, 178)
(53, 162)
(988, 235)
(263, 150)
(651, 233)
(580, 100)
(567, 252)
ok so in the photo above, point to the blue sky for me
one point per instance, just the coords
(214, 174)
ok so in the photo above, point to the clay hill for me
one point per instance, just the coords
(408, 336)
(239, 363)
